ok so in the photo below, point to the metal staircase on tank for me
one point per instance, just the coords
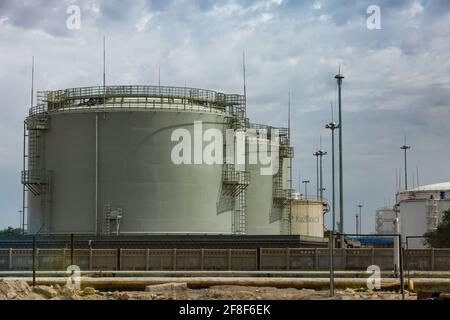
(235, 182)
(432, 214)
(283, 196)
(34, 177)
(111, 214)
(379, 223)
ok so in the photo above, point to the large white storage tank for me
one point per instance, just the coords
(99, 162)
(269, 194)
(420, 210)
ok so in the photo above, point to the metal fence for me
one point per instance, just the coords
(268, 259)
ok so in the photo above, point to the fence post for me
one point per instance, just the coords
(229, 259)
(119, 259)
(34, 261)
(316, 259)
(344, 259)
(174, 259)
(202, 256)
(64, 264)
(432, 259)
(90, 258)
(259, 257)
(71, 249)
(147, 259)
(10, 264)
(288, 258)
(37, 258)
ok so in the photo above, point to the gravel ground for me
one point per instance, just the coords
(19, 290)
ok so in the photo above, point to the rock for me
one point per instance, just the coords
(349, 291)
(124, 296)
(14, 289)
(444, 296)
(88, 291)
(46, 292)
(11, 295)
(68, 293)
(170, 287)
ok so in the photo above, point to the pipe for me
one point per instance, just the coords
(34, 261)
(96, 176)
(24, 168)
(202, 282)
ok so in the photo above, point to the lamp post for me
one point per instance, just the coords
(316, 154)
(321, 189)
(339, 77)
(360, 217)
(332, 126)
(306, 188)
(319, 154)
(20, 219)
(406, 148)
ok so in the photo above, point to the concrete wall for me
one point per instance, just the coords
(221, 259)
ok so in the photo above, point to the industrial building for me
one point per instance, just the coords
(420, 210)
(97, 161)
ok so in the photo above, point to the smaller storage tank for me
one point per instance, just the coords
(385, 221)
(420, 210)
(308, 218)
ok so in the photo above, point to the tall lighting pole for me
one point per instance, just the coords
(316, 154)
(360, 217)
(321, 189)
(332, 126)
(406, 148)
(339, 77)
(306, 188)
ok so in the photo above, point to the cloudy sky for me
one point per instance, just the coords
(397, 77)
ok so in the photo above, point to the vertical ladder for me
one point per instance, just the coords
(106, 224)
(432, 214)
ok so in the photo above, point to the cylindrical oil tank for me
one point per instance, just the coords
(307, 218)
(105, 166)
(262, 218)
(268, 195)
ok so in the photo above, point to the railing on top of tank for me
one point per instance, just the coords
(38, 109)
(99, 92)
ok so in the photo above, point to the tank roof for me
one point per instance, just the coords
(124, 96)
(444, 186)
